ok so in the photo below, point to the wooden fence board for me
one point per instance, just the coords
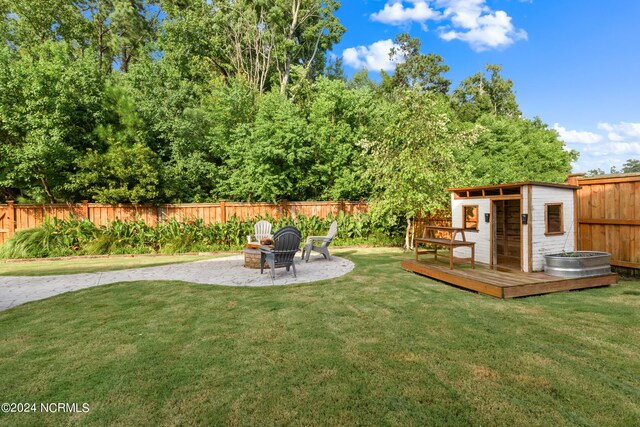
(584, 202)
(4, 223)
(17, 217)
(635, 196)
(609, 217)
(611, 201)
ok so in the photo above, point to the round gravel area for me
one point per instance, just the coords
(226, 271)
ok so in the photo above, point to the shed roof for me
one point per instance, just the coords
(516, 184)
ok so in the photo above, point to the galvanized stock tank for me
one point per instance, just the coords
(577, 264)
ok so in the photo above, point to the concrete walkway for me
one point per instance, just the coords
(227, 271)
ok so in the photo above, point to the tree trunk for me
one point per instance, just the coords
(408, 237)
(285, 76)
(45, 187)
(295, 11)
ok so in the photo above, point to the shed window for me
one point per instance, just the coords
(470, 217)
(553, 218)
(511, 190)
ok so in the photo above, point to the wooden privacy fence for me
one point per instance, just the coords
(608, 216)
(441, 218)
(14, 217)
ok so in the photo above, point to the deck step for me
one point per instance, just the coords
(502, 284)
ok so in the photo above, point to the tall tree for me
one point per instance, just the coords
(335, 70)
(414, 152)
(481, 94)
(117, 30)
(50, 105)
(337, 119)
(132, 26)
(515, 150)
(304, 29)
(275, 155)
(415, 69)
(259, 41)
(33, 22)
(631, 165)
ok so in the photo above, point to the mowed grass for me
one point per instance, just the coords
(91, 265)
(379, 346)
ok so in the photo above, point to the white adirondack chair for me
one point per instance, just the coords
(261, 230)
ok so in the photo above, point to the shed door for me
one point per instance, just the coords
(507, 235)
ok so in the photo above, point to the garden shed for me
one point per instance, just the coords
(515, 225)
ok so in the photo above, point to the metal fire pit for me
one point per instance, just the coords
(577, 264)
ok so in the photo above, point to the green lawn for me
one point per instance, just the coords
(91, 265)
(379, 346)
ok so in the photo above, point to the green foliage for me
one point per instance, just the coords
(417, 70)
(505, 148)
(274, 155)
(81, 237)
(335, 70)
(53, 238)
(121, 174)
(478, 95)
(50, 104)
(415, 153)
(594, 172)
(198, 100)
(337, 121)
(118, 31)
(631, 165)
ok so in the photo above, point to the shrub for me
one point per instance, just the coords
(81, 237)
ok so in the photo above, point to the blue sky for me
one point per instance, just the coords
(575, 64)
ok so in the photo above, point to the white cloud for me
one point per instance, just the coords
(577, 137)
(613, 148)
(464, 13)
(373, 57)
(471, 21)
(491, 31)
(396, 13)
(625, 148)
(616, 143)
(612, 136)
(587, 163)
(622, 131)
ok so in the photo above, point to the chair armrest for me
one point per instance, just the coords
(266, 249)
(311, 239)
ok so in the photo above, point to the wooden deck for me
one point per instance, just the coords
(502, 284)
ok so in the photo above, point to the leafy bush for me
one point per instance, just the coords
(53, 238)
(81, 237)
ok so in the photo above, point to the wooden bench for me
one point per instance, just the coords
(451, 243)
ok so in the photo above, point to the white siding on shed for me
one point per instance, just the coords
(480, 237)
(525, 229)
(541, 243)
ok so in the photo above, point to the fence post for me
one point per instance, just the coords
(223, 211)
(85, 209)
(572, 179)
(341, 206)
(284, 208)
(11, 217)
